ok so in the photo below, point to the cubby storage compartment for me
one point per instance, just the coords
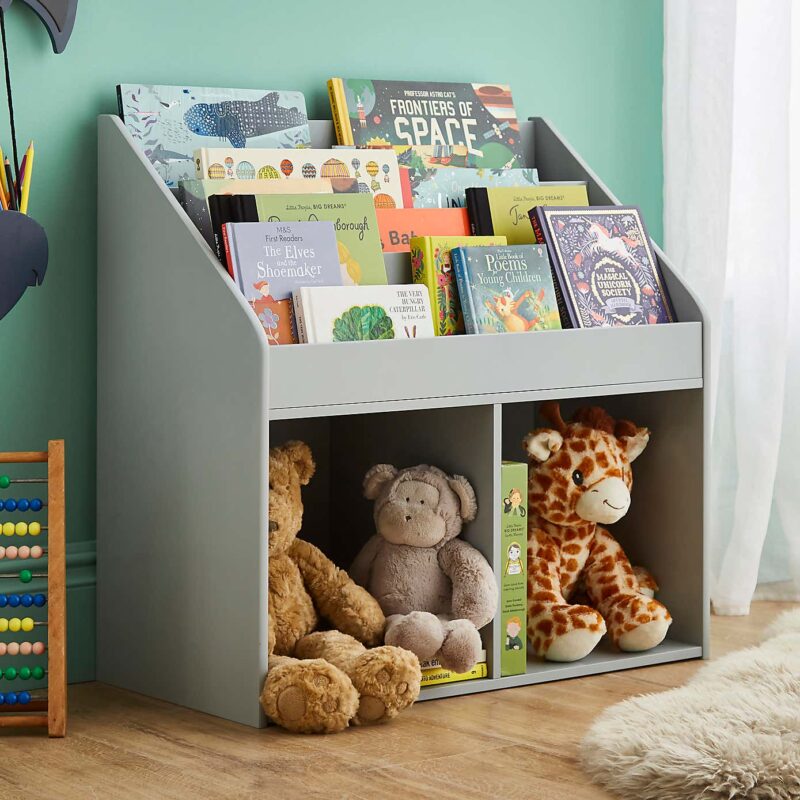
(190, 398)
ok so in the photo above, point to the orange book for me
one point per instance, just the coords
(397, 226)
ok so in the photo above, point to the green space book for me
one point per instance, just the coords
(514, 549)
(431, 266)
(503, 210)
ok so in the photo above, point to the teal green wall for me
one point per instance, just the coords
(593, 68)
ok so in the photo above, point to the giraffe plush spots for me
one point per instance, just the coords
(580, 479)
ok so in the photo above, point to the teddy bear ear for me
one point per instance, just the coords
(466, 497)
(376, 478)
(542, 443)
(300, 457)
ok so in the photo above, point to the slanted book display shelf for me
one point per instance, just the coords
(190, 397)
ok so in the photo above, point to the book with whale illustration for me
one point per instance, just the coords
(170, 122)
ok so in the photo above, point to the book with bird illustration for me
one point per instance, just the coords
(506, 289)
(604, 261)
(431, 266)
(478, 116)
(170, 122)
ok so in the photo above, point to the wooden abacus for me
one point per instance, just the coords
(39, 706)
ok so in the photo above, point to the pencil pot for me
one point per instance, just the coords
(23, 257)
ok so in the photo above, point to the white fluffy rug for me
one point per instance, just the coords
(732, 732)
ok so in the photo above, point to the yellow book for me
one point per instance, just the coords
(341, 121)
(433, 677)
(430, 265)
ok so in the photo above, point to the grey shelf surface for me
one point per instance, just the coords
(190, 398)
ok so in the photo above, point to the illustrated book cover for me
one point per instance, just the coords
(446, 187)
(432, 267)
(438, 675)
(376, 171)
(514, 582)
(398, 226)
(603, 258)
(362, 313)
(170, 122)
(504, 210)
(506, 289)
(479, 116)
(193, 195)
(270, 260)
(435, 663)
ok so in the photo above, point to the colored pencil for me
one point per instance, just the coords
(12, 195)
(3, 186)
(25, 179)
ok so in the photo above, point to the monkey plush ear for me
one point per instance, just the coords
(376, 478)
(466, 497)
(542, 443)
(635, 442)
(301, 459)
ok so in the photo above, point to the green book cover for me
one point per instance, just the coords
(509, 207)
(431, 266)
(513, 583)
(354, 223)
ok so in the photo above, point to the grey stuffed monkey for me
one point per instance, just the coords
(436, 591)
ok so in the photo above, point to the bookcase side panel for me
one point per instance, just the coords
(181, 461)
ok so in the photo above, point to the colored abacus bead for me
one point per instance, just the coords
(25, 575)
(18, 648)
(14, 600)
(40, 600)
(27, 624)
(36, 504)
(38, 648)
(14, 624)
(24, 698)
(34, 529)
(36, 552)
(24, 673)
(11, 698)
(11, 504)
(37, 673)
(5, 481)
(3, 600)
(21, 528)
(10, 673)
(27, 600)
(23, 504)
(3, 624)
(8, 529)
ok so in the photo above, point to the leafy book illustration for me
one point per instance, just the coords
(171, 122)
(506, 289)
(604, 261)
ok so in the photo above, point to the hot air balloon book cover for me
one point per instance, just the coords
(171, 122)
(480, 116)
(447, 187)
(603, 258)
(376, 171)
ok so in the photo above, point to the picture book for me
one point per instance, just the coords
(433, 677)
(447, 187)
(431, 266)
(514, 550)
(362, 313)
(376, 171)
(170, 122)
(506, 289)
(354, 222)
(480, 116)
(604, 261)
(193, 195)
(505, 210)
(398, 226)
(435, 663)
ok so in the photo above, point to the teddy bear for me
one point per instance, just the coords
(323, 680)
(436, 590)
(579, 480)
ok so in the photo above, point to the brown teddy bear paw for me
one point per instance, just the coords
(309, 697)
(388, 680)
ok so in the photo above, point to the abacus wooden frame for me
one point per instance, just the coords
(51, 714)
(190, 397)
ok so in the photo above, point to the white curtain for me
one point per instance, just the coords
(732, 229)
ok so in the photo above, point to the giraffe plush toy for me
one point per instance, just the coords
(580, 479)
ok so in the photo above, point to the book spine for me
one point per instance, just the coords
(341, 119)
(434, 663)
(569, 316)
(299, 316)
(462, 284)
(120, 109)
(219, 209)
(229, 255)
(434, 677)
(538, 233)
(422, 248)
(480, 217)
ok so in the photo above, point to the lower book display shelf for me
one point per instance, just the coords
(605, 658)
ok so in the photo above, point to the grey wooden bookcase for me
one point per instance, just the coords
(190, 397)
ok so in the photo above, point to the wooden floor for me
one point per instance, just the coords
(516, 743)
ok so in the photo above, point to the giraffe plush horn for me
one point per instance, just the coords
(551, 411)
